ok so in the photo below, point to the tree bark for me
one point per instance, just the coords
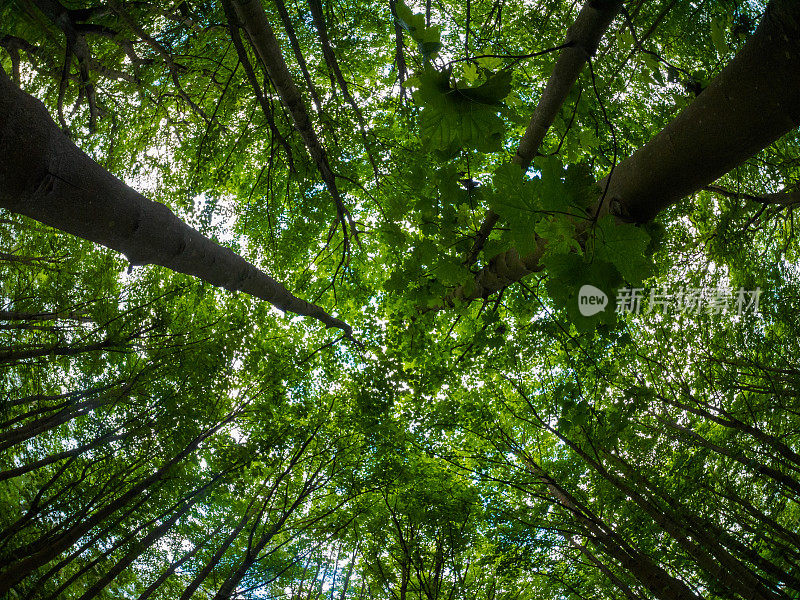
(298, 53)
(583, 39)
(20, 569)
(650, 574)
(43, 175)
(255, 23)
(753, 102)
(333, 65)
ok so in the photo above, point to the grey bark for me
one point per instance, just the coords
(753, 102)
(583, 39)
(43, 175)
(255, 23)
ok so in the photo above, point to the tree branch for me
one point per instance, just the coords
(758, 91)
(254, 19)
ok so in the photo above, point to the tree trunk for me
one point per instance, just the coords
(43, 175)
(268, 49)
(583, 39)
(333, 65)
(754, 101)
(651, 575)
(298, 54)
(19, 570)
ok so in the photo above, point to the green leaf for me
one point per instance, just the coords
(568, 273)
(407, 19)
(447, 125)
(559, 232)
(623, 245)
(718, 29)
(470, 72)
(450, 271)
(651, 61)
(492, 91)
(514, 199)
(428, 38)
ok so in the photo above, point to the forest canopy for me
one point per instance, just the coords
(474, 299)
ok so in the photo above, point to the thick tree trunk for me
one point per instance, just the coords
(43, 175)
(754, 101)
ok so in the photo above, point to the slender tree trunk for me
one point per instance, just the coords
(177, 564)
(253, 551)
(298, 53)
(336, 73)
(139, 548)
(694, 438)
(53, 458)
(266, 107)
(583, 39)
(90, 542)
(212, 563)
(603, 568)
(34, 428)
(43, 175)
(709, 555)
(120, 541)
(11, 315)
(14, 355)
(399, 55)
(723, 568)
(20, 569)
(255, 23)
(712, 536)
(639, 565)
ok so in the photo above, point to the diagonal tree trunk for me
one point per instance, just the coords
(400, 58)
(255, 23)
(583, 38)
(333, 65)
(43, 175)
(639, 564)
(20, 569)
(753, 102)
(298, 53)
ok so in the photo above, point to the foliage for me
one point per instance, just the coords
(162, 438)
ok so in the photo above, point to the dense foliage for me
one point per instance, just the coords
(164, 438)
